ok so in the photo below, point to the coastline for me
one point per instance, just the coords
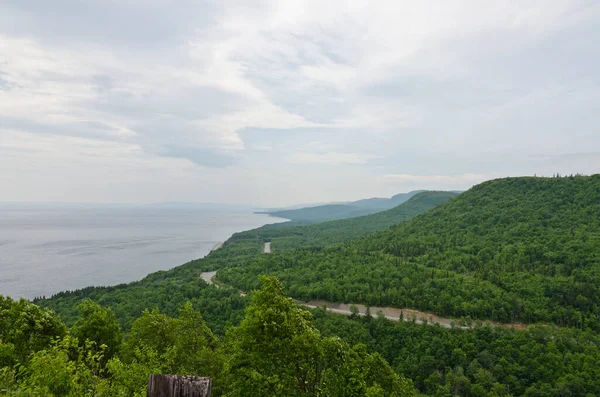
(55, 276)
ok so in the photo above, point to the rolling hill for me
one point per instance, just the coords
(515, 249)
(328, 212)
(292, 236)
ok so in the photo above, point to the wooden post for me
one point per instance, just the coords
(178, 386)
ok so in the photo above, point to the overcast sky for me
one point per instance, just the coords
(283, 102)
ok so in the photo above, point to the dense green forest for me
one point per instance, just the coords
(262, 353)
(511, 250)
(290, 236)
(275, 350)
(485, 361)
(329, 212)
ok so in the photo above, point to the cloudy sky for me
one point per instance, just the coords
(283, 102)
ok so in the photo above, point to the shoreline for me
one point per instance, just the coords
(75, 286)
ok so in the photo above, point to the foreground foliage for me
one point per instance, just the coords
(275, 351)
(484, 361)
(283, 350)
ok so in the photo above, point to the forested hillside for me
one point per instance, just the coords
(511, 250)
(328, 212)
(386, 203)
(289, 236)
(275, 350)
(516, 249)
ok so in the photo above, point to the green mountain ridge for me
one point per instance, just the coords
(516, 249)
(293, 235)
(328, 212)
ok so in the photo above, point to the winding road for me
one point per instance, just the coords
(208, 277)
(391, 313)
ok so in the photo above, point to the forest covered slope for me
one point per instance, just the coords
(291, 235)
(515, 249)
(328, 212)
(274, 350)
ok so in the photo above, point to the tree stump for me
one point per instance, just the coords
(178, 386)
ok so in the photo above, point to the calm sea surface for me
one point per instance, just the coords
(47, 250)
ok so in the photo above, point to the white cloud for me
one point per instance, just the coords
(331, 158)
(294, 84)
(264, 115)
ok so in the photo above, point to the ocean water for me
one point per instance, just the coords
(45, 250)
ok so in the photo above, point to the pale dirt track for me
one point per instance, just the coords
(208, 277)
(391, 313)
